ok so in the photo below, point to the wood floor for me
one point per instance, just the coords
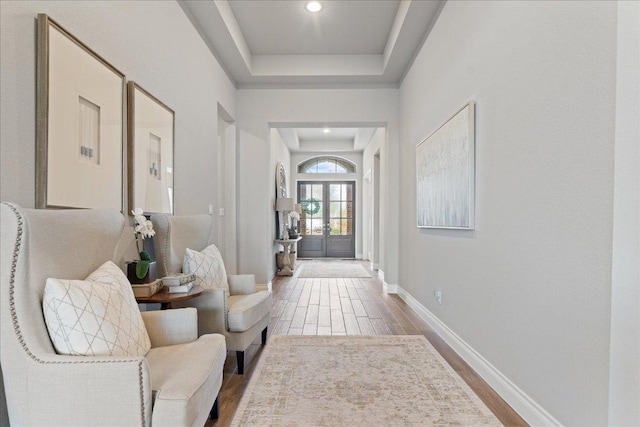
(345, 306)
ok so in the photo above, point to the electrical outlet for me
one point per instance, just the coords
(221, 211)
(438, 295)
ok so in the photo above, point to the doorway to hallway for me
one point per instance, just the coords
(327, 222)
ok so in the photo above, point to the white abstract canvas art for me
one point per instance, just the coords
(445, 181)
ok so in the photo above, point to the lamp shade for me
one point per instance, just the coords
(284, 204)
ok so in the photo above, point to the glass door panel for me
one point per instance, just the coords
(327, 221)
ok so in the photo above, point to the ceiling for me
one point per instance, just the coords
(311, 138)
(286, 28)
(278, 43)
(349, 42)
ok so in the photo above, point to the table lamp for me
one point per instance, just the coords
(284, 205)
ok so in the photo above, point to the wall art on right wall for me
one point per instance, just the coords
(445, 174)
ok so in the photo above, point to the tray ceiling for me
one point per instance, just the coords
(266, 42)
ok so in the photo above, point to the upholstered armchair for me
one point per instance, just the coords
(176, 383)
(241, 313)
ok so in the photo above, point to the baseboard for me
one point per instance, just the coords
(374, 266)
(358, 256)
(525, 406)
(386, 287)
(270, 286)
(390, 288)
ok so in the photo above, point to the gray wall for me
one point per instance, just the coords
(624, 382)
(257, 109)
(152, 43)
(530, 288)
(376, 247)
(279, 154)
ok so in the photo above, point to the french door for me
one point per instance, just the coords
(327, 222)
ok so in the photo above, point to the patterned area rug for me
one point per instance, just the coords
(332, 269)
(388, 380)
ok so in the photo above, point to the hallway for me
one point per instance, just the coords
(345, 306)
(337, 306)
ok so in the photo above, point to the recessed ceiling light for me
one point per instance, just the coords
(313, 6)
(325, 130)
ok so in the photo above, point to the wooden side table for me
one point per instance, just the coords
(165, 299)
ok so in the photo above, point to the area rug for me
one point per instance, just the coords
(332, 269)
(394, 380)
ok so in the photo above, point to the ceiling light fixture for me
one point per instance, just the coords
(326, 130)
(313, 6)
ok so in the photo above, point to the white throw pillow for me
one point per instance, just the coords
(207, 266)
(98, 316)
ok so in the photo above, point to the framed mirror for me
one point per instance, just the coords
(79, 124)
(151, 127)
(281, 181)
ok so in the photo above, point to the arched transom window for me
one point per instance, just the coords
(326, 164)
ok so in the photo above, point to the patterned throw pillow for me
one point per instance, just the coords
(207, 266)
(98, 316)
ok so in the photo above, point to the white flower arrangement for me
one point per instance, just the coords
(143, 228)
(295, 216)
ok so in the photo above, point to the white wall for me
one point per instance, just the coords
(624, 383)
(530, 288)
(377, 245)
(257, 109)
(152, 43)
(279, 154)
(226, 180)
(356, 158)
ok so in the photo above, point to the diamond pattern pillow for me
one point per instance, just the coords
(98, 316)
(207, 266)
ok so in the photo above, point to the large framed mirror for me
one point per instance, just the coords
(151, 126)
(79, 124)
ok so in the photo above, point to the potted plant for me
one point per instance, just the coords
(144, 269)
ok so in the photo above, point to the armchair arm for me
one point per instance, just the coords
(262, 288)
(169, 327)
(242, 284)
(212, 311)
(80, 390)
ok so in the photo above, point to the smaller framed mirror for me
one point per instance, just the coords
(151, 126)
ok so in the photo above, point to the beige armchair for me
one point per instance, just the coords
(175, 384)
(243, 314)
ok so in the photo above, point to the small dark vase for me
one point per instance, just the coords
(133, 278)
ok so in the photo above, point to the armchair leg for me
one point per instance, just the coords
(215, 409)
(240, 358)
(264, 336)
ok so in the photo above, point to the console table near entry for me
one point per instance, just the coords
(286, 260)
(165, 298)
